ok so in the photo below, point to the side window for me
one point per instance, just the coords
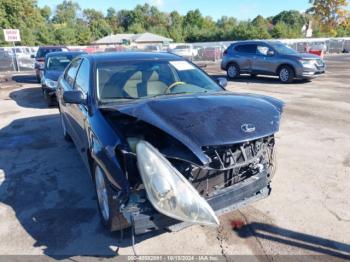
(248, 48)
(262, 50)
(83, 77)
(72, 72)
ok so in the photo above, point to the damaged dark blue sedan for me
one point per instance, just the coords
(165, 144)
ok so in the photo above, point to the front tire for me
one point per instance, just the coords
(232, 71)
(286, 74)
(111, 218)
(48, 99)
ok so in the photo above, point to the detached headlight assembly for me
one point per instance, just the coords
(50, 83)
(169, 191)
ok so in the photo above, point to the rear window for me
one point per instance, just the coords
(249, 48)
(43, 51)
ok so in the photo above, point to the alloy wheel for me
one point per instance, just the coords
(284, 75)
(232, 71)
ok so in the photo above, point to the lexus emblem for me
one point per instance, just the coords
(248, 128)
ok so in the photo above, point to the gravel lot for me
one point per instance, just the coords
(48, 206)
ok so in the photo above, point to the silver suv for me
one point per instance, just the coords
(270, 58)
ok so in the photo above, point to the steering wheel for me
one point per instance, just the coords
(167, 90)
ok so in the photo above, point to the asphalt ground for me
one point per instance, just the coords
(48, 206)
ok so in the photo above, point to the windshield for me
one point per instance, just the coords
(142, 79)
(283, 49)
(58, 63)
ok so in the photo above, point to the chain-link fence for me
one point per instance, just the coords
(12, 61)
(22, 60)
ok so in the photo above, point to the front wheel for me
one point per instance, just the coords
(111, 218)
(286, 74)
(48, 98)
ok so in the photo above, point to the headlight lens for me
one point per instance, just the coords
(169, 191)
(308, 63)
(50, 83)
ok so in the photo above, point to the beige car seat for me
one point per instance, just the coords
(107, 90)
(155, 86)
(130, 86)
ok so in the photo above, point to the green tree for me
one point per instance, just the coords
(24, 15)
(261, 27)
(97, 23)
(46, 13)
(282, 30)
(292, 18)
(83, 34)
(330, 13)
(225, 26)
(66, 13)
(175, 28)
(113, 21)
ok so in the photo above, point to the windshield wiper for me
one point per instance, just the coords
(115, 100)
(168, 94)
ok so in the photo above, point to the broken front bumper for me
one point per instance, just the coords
(254, 188)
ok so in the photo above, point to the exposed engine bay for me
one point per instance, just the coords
(229, 167)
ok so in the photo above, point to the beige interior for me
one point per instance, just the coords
(154, 86)
(130, 86)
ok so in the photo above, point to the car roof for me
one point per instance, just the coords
(52, 46)
(132, 56)
(65, 53)
(256, 42)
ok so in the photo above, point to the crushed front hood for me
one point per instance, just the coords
(207, 119)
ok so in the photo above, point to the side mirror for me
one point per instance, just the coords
(32, 56)
(222, 81)
(74, 97)
(270, 53)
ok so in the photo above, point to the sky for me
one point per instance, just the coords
(240, 9)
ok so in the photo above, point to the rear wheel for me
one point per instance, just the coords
(232, 71)
(286, 74)
(111, 218)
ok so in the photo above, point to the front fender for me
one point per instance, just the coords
(106, 159)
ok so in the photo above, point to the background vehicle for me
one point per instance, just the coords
(212, 53)
(152, 48)
(55, 63)
(40, 58)
(185, 50)
(151, 127)
(6, 59)
(115, 49)
(270, 58)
